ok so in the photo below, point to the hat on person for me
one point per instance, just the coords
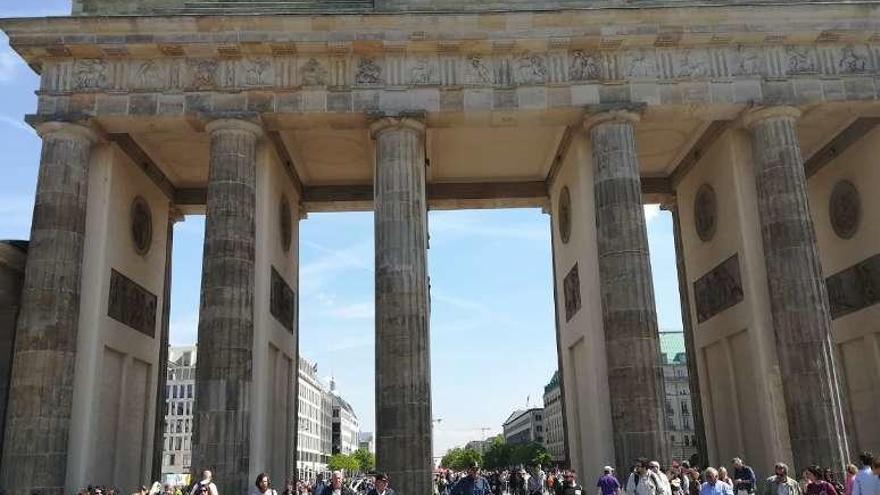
(608, 469)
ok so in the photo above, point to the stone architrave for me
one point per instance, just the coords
(224, 371)
(35, 453)
(635, 373)
(798, 298)
(403, 368)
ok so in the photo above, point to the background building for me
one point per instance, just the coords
(179, 398)
(315, 423)
(679, 417)
(554, 423)
(524, 426)
(319, 410)
(345, 424)
(366, 442)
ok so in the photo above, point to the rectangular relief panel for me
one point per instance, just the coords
(863, 390)
(722, 400)
(132, 432)
(282, 301)
(132, 305)
(571, 288)
(107, 421)
(854, 288)
(719, 289)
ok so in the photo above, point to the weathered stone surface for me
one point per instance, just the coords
(224, 371)
(635, 374)
(798, 298)
(13, 256)
(403, 367)
(41, 389)
(111, 7)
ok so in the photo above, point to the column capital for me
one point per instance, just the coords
(381, 123)
(230, 123)
(70, 129)
(601, 114)
(756, 116)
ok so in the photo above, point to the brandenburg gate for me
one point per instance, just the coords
(753, 122)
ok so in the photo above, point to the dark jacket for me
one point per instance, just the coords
(575, 489)
(471, 486)
(388, 491)
(328, 490)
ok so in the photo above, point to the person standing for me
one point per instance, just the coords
(665, 487)
(536, 482)
(815, 484)
(851, 472)
(781, 483)
(865, 482)
(608, 484)
(570, 486)
(642, 481)
(262, 486)
(381, 486)
(336, 487)
(743, 478)
(714, 486)
(723, 476)
(207, 481)
(472, 484)
(319, 485)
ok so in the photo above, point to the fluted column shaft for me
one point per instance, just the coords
(41, 387)
(798, 298)
(635, 373)
(403, 369)
(224, 369)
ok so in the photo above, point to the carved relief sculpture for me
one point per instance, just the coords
(141, 225)
(845, 209)
(705, 212)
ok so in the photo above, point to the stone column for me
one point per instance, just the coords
(689, 342)
(174, 216)
(403, 368)
(635, 373)
(41, 389)
(224, 368)
(798, 298)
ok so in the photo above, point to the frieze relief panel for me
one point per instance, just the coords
(719, 289)
(504, 68)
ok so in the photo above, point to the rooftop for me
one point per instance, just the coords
(672, 347)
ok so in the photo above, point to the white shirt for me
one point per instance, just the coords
(644, 485)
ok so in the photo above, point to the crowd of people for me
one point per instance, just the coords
(680, 478)
(645, 478)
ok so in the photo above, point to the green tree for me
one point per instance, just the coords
(366, 460)
(459, 459)
(498, 454)
(530, 454)
(342, 462)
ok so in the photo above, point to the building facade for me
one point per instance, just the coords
(753, 122)
(524, 426)
(179, 402)
(366, 442)
(554, 422)
(680, 429)
(315, 423)
(346, 426)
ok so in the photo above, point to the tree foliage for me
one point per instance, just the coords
(343, 462)
(501, 455)
(366, 460)
(458, 459)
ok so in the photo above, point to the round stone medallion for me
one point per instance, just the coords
(845, 209)
(141, 225)
(705, 213)
(565, 215)
(285, 223)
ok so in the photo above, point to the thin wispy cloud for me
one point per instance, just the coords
(357, 311)
(651, 212)
(184, 329)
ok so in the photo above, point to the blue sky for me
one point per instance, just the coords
(492, 326)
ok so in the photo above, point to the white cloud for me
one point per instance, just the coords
(470, 225)
(357, 311)
(9, 64)
(17, 123)
(184, 330)
(651, 212)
